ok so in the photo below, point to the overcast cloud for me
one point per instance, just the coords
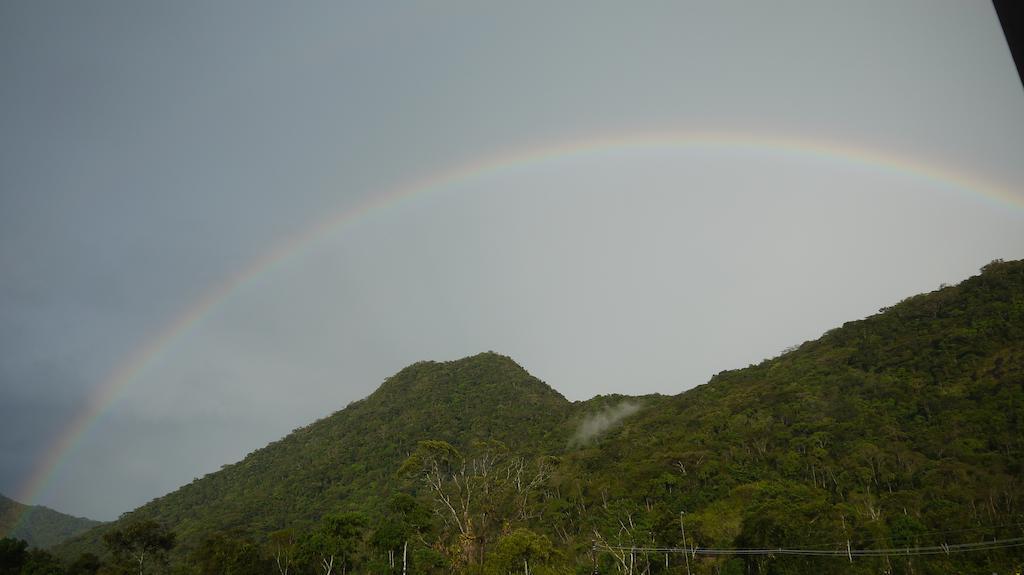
(150, 151)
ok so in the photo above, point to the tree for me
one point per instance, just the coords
(338, 542)
(520, 551)
(407, 521)
(525, 478)
(41, 562)
(284, 547)
(391, 536)
(12, 555)
(427, 560)
(85, 564)
(139, 542)
(438, 464)
(468, 491)
(224, 555)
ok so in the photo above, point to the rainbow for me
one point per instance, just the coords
(129, 370)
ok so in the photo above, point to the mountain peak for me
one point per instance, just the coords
(486, 376)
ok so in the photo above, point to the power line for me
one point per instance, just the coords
(931, 534)
(846, 552)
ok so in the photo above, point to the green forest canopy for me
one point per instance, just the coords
(901, 430)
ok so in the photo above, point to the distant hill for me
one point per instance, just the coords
(39, 526)
(901, 430)
(349, 459)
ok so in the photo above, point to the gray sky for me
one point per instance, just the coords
(150, 151)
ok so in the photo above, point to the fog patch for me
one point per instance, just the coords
(596, 424)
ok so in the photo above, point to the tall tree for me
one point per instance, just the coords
(283, 546)
(337, 544)
(142, 542)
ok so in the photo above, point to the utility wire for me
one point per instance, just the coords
(905, 551)
(929, 534)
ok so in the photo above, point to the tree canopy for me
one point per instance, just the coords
(899, 430)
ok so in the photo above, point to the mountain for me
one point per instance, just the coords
(349, 459)
(902, 430)
(905, 428)
(39, 526)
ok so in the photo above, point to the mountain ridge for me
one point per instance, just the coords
(38, 525)
(883, 429)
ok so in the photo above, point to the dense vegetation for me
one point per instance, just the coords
(898, 431)
(39, 526)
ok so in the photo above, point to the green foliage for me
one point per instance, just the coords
(13, 554)
(39, 526)
(223, 555)
(784, 514)
(16, 558)
(429, 561)
(522, 551)
(339, 543)
(348, 461)
(140, 543)
(41, 562)
(283, 547)
(904, 428)
(85, 564)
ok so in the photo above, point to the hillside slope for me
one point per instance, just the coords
(39, 526)
(348, 460)
(903, 429)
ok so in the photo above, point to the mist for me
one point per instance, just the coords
(595, 425)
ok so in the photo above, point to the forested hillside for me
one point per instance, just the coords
(349, 460)
(37, 525)
(899, 431)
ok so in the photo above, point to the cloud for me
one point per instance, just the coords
(595, 424)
